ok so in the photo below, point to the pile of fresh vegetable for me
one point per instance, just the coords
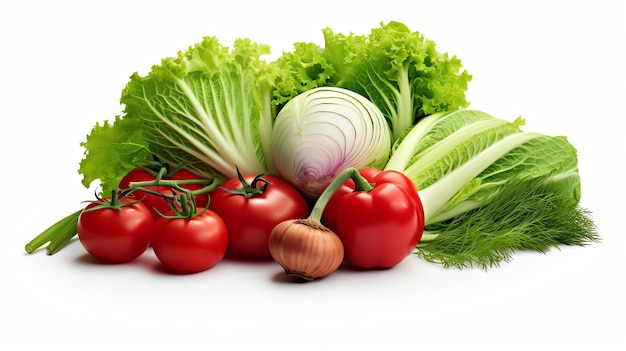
(359, 152)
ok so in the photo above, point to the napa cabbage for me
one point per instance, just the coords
(489, 188)
(208, 108)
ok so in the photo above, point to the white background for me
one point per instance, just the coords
(63, 65)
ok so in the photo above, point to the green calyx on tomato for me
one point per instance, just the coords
(256, 187)
(118, 199)
(190, 244)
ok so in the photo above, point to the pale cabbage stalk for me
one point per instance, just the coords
(458, 160)
(323, 131)
(490, 189)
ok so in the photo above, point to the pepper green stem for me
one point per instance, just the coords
(361, 184)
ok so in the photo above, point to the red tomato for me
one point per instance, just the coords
(250, 219)
(155, 202)
(190, 245)
(116, 235)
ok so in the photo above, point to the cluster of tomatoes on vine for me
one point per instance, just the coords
(190, 223)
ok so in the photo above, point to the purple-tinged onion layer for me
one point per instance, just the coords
(325, 130)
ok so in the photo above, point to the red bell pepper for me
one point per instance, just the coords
(378, 216)
(373, 176)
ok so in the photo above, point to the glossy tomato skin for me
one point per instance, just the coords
(190, 245)
(251, 219)
(116, 235)
(155, 202)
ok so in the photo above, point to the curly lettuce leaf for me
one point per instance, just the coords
(111, 150)
(404, 75)
(299, 71)
(400, 71)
